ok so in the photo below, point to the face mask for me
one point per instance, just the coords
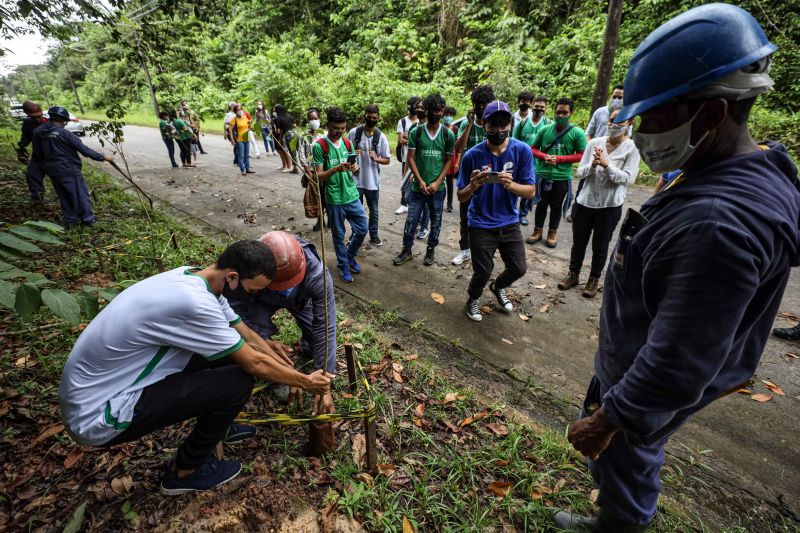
(668, 150)
(497, 138)
(260, 106)
(538, 113)
(447, 120)
(239, 113)
(616, 103)
(420, 113)
(370, 123)
(561, 121)
(524, 107)
(434, 118)
(334, 135)
(616, 130)
(314, 123)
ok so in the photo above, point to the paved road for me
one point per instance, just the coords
(754, 445)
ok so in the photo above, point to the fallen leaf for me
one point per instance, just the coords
(761, 397)
(498, 429)
(38, 502)
(346, 323)
(593, 495)
(47, 433)
(450, 397)
(487, 309)
(327, 518)
(73, 457)
(411, 357)
(359, 449)
(407, 527)
(789, 356)
(398, 367)
(499, 488)
(545, 308)
(347, 396)
(397, 376)
(365, 478)
(525, 318)
(471, 419)
(542, 286)
(790, 316)
(538, 492)
(560, 484)
(744, 391)
(774, 388)
(419, 410)
(438, 298)
(502, 463)
(25, 362)
(122, 485)
(386, 469)
(452, 427)
(506, 341)
(400, 480)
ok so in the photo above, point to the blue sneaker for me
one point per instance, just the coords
(238, 433)
(347, 277)
(355, 268)
(208, 475)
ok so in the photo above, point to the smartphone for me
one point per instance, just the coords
(352, 158)
(492, 177)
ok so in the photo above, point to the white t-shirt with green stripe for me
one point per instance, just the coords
(145, 334)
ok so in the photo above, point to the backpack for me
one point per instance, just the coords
(398, 151)
(376, 138)
(323, 143)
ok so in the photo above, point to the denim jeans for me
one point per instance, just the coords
(525, 207)
(372, 205)
(417, 202)
(355, 215)
(171, 151)
(425, 219)
(269, 145)
(243, 153)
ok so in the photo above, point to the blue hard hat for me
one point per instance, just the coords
(691, 51)
(58, 112)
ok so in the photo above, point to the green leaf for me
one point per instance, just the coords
(10, 254)
(7, 291)
(35, 278)
(63, 304)
(13, 273)
(35, 234)
(110, 293)
(76, 520)
(127, 283)
(5, 266)
(89, 304)
(49, 226)
(17, 244)
(27, 301)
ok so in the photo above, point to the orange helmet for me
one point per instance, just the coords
(290, 261)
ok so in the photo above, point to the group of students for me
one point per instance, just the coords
(181, 126)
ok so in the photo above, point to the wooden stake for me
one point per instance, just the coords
(370, 431)
(351, 367)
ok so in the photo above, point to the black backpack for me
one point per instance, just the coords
(398, 151)
(376, 138)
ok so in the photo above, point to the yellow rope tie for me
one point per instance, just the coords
(284, 419)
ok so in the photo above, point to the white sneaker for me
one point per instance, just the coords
(421, 234)
(463, 255)
(400, 210)
(473, 310)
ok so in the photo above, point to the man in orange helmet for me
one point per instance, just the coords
(299, 286)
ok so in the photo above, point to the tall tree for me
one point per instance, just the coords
(607, 56)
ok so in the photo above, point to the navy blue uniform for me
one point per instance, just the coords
(34, 173)
(689, 301)
(56, 151)
(305, 302)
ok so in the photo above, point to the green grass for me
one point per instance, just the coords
(146, 117)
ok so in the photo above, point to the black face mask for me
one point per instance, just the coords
(434, 118)
(497, 138)
(420, 113)
(524, 107)
(334, 135)
(538, 113)
(370, 123)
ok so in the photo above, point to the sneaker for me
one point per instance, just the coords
(421, 234)
(316, 226)
(345, 274)
(355, 268)
(238, 433)
(590, 290)
(473, 310)
(287, 170)
(463, 255)
(449, 209)
(404, 256)
(505, 304)
(790, 334)
(251, 171)
(376, 241)
(400, 210)
(244, 173)
(429, 256)
(208, 475)
(569, 281)
(175, 165)
(523, 221)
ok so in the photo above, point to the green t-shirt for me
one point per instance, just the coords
(430, 154)
(165, 130)
(525, 131)
(571, 143)
(184, 131)
(476, 135)
(340, 189)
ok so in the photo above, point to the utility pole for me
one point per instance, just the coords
(607, 56)
(143, 60)
(74, 90)
(41, 86)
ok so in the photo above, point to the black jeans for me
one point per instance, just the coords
(186, 151)
(597, 223)
(553, 199)
(212, 392)
(483, 244)
(463, 225)
(450, 188)
(171, 150)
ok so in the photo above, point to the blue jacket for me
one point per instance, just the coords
(29, 125)
(690, 297)
(56, 149)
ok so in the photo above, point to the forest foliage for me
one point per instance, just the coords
(305, 53)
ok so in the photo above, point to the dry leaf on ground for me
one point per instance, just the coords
(450, 397)
(545, 308)
(525, 318)
(593, 495)
(73, 457)
(452, 427)
(397, 376)
(365, 478)
(471, 419)
(539, 491)
(760, 397)
(774, 388)
(38, 502)
(122, 485)
(498, 429)
(438, 298)
(327, 518)
(407, 527)
(487, 309)
(744, 391)
(386, 469)
(411, 357)
(542, 286)
(506, 341)
(499, 488)
(359, 449)
(47, 433)
(419, 410)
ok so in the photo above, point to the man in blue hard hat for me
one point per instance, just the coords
(55, 150)
(697, 276)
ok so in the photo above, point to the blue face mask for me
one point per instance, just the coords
(285, 293)
(447, 120)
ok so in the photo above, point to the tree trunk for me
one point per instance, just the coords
(41, 86)
(143, 60)
(74, 91)
(607, 57)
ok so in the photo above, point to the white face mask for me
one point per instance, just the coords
(314, 124)
(239, 113)
(668, 150)
(616, 103)
(616, 130)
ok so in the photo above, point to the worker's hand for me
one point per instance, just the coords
(318, 382)
(505, 179)
(295, 397)
(476, 179)
(372, 155)
(551, 160)
(281, 351)
(323, 405)
(354, 168)
(430, 189)
(592, 435)
(342, 167)
(600, 157)
(109, 158)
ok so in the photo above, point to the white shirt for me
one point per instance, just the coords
(403, 125)
(369, 175)
(607, 187)
(228, 117)
(145, 334)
